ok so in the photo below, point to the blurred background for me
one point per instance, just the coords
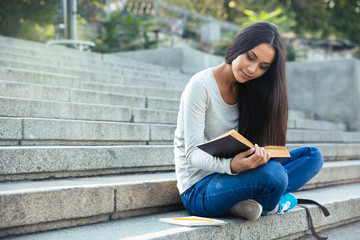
(313, 29)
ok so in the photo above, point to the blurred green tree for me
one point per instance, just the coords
(345, 18)
(28, 19)
(127, 32)
(313, 18)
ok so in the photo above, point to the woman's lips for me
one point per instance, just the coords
(244, 75)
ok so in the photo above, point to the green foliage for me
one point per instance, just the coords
(346, 18)
(126, 32)
(28, 19)
(275, 17)
(221, 47)
(313, 18)
(252, 17)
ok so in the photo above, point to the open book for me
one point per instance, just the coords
(232, 143)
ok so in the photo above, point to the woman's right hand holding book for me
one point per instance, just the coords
(249, 159)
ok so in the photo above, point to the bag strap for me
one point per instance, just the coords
(310, 222)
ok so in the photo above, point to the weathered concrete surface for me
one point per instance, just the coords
(342, 202)
(20, 208)
(22, 163)
(349, 231)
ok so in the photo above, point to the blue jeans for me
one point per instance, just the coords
(215, 194)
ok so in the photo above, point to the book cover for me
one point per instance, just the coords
(232, 143)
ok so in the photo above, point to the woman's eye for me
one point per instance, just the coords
(263, 67)
(250, 57)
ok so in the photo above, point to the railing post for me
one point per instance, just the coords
(70, 9)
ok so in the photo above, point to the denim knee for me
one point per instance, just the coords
(274, 177)
(317, 158)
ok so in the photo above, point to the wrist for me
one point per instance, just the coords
(232, 167)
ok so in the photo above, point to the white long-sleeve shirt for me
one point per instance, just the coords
(203, 115)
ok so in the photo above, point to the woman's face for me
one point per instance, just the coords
(254, 63)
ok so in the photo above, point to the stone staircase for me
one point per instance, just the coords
(86, 148)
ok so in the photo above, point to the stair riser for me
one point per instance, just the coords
(42, 92)
(117, 201)
(51, 206)
(15, 107)
(50, 79)
(291, 225)
(39, 163)
(20, 75)
(66, 55)
(98, 66)
(108, 77)
(34, 129)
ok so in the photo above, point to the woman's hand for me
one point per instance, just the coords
(249, 159)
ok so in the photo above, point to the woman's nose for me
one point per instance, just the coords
(252, 68)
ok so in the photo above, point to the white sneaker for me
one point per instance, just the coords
(248, 209)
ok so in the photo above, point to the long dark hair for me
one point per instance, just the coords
(263, 102)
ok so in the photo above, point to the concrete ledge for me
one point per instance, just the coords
(11, 128)
(316, 124)
(34, 91)
(20, 163)
(21, 75)
(133, 90)
(99, 66)
(45, 202)
(336, 173)
(342, 202)
(38, 129)
(46, 205)
(23, 48)
(44, 92)
(41, 129)
(21, 45)
(25, 107)
(90, 75)
(23, 163)
(317, 136)
(83, 96)
(21, 107)
(60, 80)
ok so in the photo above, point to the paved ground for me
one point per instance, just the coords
(350, 231)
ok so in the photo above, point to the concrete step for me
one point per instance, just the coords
(35, 49)
(75, 95)
(315, 124)
(59, 80)
(133, 90)
(52, 206)
(22, 163)
(44, 92)
(45, 78)
(17, 45)
(311, 136)
(295, 114)
(44, 162)
(154, 72)
(90, 75)
(24, 107)
(42, 131)
(349, 231)
(37, 131)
